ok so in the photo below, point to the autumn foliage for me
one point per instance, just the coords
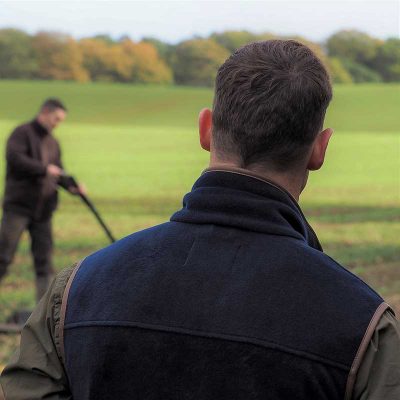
(50, 55)
(350, 56)
(196, 61)
(59, 57)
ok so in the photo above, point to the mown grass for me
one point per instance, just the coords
(136, 149)
(367, 108)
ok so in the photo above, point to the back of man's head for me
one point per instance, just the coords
(52, 104)
(270, 103)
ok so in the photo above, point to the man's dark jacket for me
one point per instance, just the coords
(231, 299)
(26, 178)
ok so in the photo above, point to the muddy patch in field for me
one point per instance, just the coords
(385, 275)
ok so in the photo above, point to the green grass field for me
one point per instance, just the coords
(136, 149)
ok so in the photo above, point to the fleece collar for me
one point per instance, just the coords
(240, 199)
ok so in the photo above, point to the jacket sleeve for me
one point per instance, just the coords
(35, 371)
(18, 158)
(62, 181)
(379, 374)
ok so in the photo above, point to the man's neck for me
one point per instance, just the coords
(294, 184)
(39, 128)
(42, 124)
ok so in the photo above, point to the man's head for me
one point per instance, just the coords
(51, 113)
(269, 108)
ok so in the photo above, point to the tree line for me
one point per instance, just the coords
(350, 56)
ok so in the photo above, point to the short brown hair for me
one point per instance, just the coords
(52, 104)
(270, 103)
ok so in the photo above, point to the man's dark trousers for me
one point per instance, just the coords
(12, 227)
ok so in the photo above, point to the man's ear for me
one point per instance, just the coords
(319, 147)
(205, 128)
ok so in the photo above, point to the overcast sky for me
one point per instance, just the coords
(173, 21)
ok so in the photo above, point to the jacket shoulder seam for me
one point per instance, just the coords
(216, 335)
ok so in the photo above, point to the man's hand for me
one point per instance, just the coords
(81, 189)
(54, 171)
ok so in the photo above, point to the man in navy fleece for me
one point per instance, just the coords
(233, 298)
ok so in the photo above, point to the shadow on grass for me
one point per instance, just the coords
(359, 254)
(352, 214)
(138, 206)
(167, 205)
(384, 278)
(384, 275)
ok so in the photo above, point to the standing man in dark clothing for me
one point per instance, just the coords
(34, 171)
(233, 298)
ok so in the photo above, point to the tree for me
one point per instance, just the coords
(387, 60)
(164, 49)
(59, 57)
(265, 36)
(233, 40)
(353, 45)
(105, 37)
(124, 61)
(359, 53)
(361, 73)
(146, 64)
(17, 57)
(338, 72)
(196, 61)
(350, 56)
(105, 62)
